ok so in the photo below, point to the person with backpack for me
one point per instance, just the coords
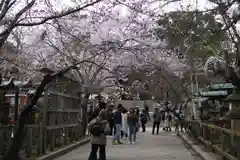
(156, 120)
(98, 128)
(143, 119)
(118, 124)
(180, 119)
(132, 121)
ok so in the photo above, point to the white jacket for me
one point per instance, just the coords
(124, 123)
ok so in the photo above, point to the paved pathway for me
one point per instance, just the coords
(165, 146)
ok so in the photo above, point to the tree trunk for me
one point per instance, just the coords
(16, 144)
(85, 112)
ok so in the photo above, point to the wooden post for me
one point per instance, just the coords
(238, 147)
(40, 140)
(30, 138)
(43, 125)
(212, 138)
(16, 104)
(222, 145)
(66, 135)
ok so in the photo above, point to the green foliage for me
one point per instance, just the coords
(196, 34)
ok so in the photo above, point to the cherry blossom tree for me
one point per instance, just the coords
(16, 13)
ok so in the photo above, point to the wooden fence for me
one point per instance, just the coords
(223, 141)
(59, 124)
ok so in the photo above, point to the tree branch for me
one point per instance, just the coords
(5, 34)
(66, 13)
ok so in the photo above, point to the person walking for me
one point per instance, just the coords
(177, 120)
(114, 128)
(156, 120)
(146, 110)
(143, 119)
(98, 128)
(163, 119)
(124, 124)
(180, 119)
(110, 118)
(132, 121)
(118, 125)
(168, 121)
(137, 112)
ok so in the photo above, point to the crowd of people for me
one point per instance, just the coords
(120, 123)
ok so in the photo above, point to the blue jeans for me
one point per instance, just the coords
(118, 132)
(132, 132)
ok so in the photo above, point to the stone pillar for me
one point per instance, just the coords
(234, 108)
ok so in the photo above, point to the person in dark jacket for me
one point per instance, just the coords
(143, 119)
(147, 110)
(118, 124)
(132, 125)
(137, 111)
(156, 120)
(110, 118)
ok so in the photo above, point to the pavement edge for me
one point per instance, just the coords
(196, 148)
(64, 150)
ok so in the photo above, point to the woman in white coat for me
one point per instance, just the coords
(124, 125)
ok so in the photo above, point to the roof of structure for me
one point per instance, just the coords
(12, 83)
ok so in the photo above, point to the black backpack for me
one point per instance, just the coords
(97, 129)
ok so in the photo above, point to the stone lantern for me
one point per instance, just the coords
(234, 111)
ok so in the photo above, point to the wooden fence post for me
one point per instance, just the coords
(30, 138)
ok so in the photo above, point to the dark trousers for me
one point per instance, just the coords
(143, 126)
(155, 124)
(94, 150)
(148, 115)
(182, 126)
(114, 129)
(111, 125)
(124, 134)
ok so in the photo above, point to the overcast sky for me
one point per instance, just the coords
(123, 12)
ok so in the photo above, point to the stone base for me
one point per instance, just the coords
(235, 125)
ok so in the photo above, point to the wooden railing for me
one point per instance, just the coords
(39, 140)
(223, 141)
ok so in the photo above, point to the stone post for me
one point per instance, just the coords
(234, 108)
